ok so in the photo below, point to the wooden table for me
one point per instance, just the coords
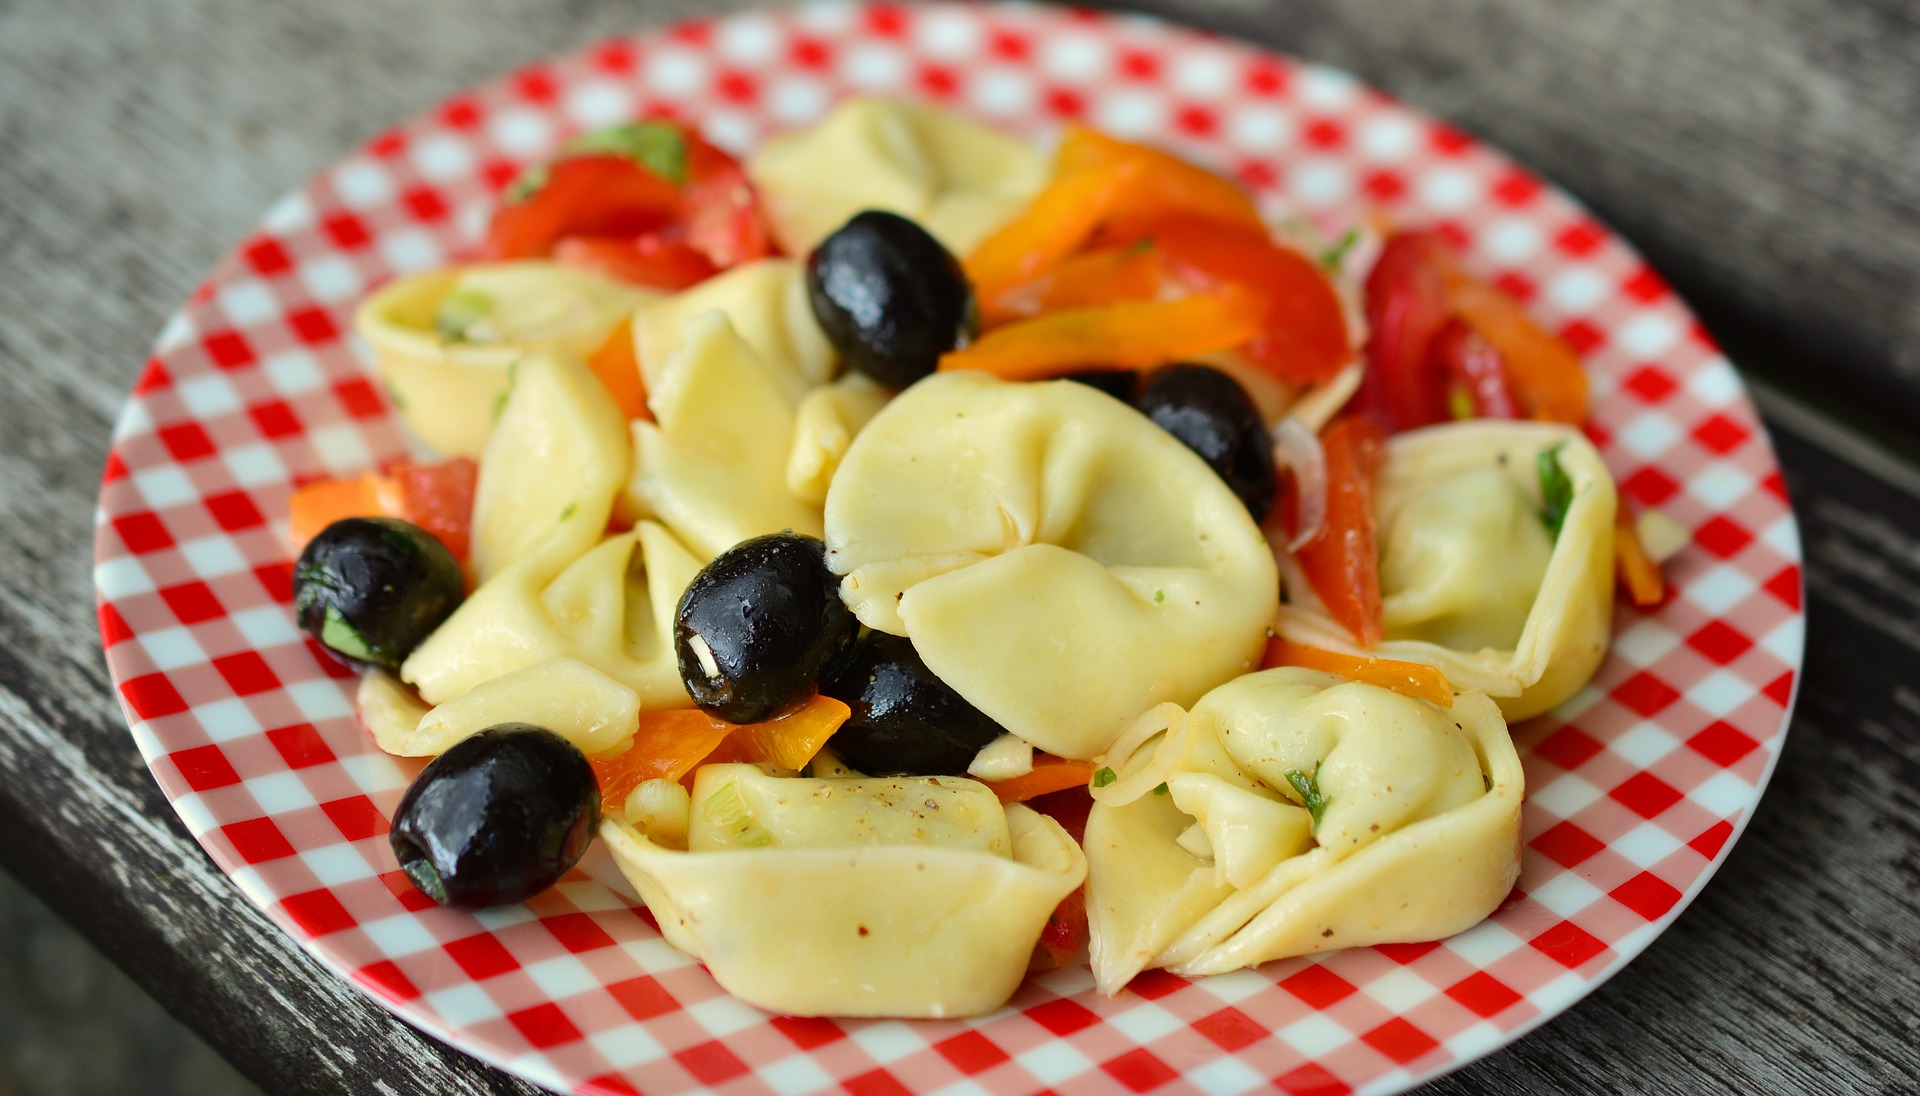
(1766, 155)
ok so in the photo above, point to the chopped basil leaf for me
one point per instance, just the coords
(656, 146)
(1103, 777)
(528, 184)
(1159, 596)
(1308, 789)
(335, 632)
(459, 311)
(1332, 257)
(1556, 490)
(1160, 789)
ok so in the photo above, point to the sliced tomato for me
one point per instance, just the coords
(653, 259)
(1304, 333)
(723, 217)
(1543, 371)
(1342, 561)
(1476, 374)
(1406, 304)
(597, 194)
(1065, 934)
(438, 497)
(648, 179)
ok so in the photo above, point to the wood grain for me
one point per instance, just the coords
(1763, 153)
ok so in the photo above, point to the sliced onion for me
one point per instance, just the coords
(1297, 449)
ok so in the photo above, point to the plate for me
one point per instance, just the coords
(1637, 787)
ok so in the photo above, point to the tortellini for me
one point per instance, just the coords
(611, 608)
(553, 467)
(713, 464)
(766, 302)
(1471, 580)
(1416, 836)
(912, 896)
(445, 339)
(1056, 558)
(824, 426)
(960, 180)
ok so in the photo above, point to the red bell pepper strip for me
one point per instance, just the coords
(1303, 336)
(599, 194)
(1544, 372)
(1342, 561)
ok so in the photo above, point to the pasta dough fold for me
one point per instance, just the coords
(874, 918)
(1056, 558)
(960, 180)
(1471, 582)
(444, 340)
(713, 464)
(1417, 835)
(611, 608)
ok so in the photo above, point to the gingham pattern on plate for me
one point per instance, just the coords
(1637, 786)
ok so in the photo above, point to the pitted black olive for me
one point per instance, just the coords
(890, 298)
(370, 589)
(760, 625)
(1213, 416)
(1121, 384)
(904, 720)
(498, 818)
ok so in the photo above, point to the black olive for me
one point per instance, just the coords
(760, 625)
(905, 720)
(498, 818)
(890, 298)
(1121, 384)
(1213, 416)
(370, 589)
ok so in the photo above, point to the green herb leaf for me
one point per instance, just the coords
(656, 146)
(1308, 789)
(1460, 403)
(1332, 257)
(528, 184)
(1103, 777)
(1159, 596)
(459, 311)
(567, 512)
(1556, 490)
(335, 632)
(1160, 789)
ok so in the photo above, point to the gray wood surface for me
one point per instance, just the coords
(1764, 153)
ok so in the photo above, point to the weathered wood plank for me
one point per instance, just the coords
(1746, 146)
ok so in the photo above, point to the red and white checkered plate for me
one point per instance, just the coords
(1637, 786)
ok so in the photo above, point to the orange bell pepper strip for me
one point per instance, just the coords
(1304, 331)
(1342, 561)
(1050, 774)
(669, 745)
(1099, 181)
(438, 497)
(1639, 575)
(1107, 275)
(318, 505)
(1134, 335)
(1544, 372)
(619, 371)
(1414, 679)
(788, 740)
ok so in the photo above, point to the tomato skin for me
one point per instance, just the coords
(597, 194)
(438, 497)
(1407, 308)
(1475, 372)
(707, 223)
(653, 259)
(1342, 562)
(1304, 337)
